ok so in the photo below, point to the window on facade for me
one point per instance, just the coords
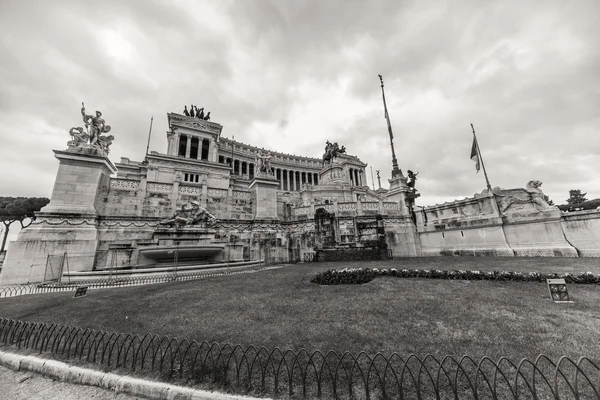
(194, 178)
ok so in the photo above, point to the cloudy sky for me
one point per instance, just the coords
(288, 75)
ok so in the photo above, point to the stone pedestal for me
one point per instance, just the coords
(401, 233)
(68, 224)
(79, 182)
(265, 190)
(332, 174)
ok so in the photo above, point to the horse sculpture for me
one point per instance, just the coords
(332, 150)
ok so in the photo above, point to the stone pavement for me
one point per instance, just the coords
(17, 385)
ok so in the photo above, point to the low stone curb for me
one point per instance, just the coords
(109, 381)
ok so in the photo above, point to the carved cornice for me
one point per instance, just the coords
(183, 121)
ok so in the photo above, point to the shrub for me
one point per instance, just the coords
(355, 276)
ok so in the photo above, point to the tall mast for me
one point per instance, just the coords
(395, 170)
(149, 135)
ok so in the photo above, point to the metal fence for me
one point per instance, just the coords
(287, 373)
(115, 281)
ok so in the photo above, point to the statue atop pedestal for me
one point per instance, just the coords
(412, 193)
(91, 137)
(263, 165)
(332, 150)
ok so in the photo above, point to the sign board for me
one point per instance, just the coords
(558, 290)
(81, 291)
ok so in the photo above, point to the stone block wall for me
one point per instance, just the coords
(350, 254)
(582, 231)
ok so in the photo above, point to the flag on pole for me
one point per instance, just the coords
(475, 153)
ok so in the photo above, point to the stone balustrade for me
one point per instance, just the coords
(124, 184)
(371, 205)
(159, 187)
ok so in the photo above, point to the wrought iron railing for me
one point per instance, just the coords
(117, 281)
(283, 373)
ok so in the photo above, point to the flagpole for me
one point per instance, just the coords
(481, 159)
(395, 169)
(149, 135)
(372, 180)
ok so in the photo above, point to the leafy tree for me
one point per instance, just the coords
(13, 209)
(547, 199)
(576, 197)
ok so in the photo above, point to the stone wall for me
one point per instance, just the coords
(512, 222)
(351, 254)
(471, 226)
(582, 231)
(132, 198)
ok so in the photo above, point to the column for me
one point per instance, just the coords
(279, 178)
(178, 140)
(213, 150)
(293, 180)
(188, 146)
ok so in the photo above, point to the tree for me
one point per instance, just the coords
(13, 209)
(575, 197)
(547, 200)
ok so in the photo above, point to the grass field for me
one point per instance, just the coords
(281, 308)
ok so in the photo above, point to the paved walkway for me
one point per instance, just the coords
(16, 385)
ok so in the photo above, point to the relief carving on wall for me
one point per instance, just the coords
(531, 198)
(190, 214)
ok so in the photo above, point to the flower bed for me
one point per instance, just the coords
(364, 275)
(346, 276)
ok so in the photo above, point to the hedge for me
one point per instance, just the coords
(363, 275)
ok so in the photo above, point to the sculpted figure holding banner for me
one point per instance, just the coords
(95, 124)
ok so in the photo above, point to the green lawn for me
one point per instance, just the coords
(281, 308)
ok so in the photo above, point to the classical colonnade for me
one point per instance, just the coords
(190, 146)
(356, 177)
(289, 179)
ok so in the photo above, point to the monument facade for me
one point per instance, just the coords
(215, 199)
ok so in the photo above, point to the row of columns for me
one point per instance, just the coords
(239, 167)
(291, 180)
(202, 150)
(356, 177)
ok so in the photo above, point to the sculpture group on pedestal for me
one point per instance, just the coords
(263, 164)
(190, 214)
(412, 193)
(91, 136)
(195, 112)
(332, 150)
